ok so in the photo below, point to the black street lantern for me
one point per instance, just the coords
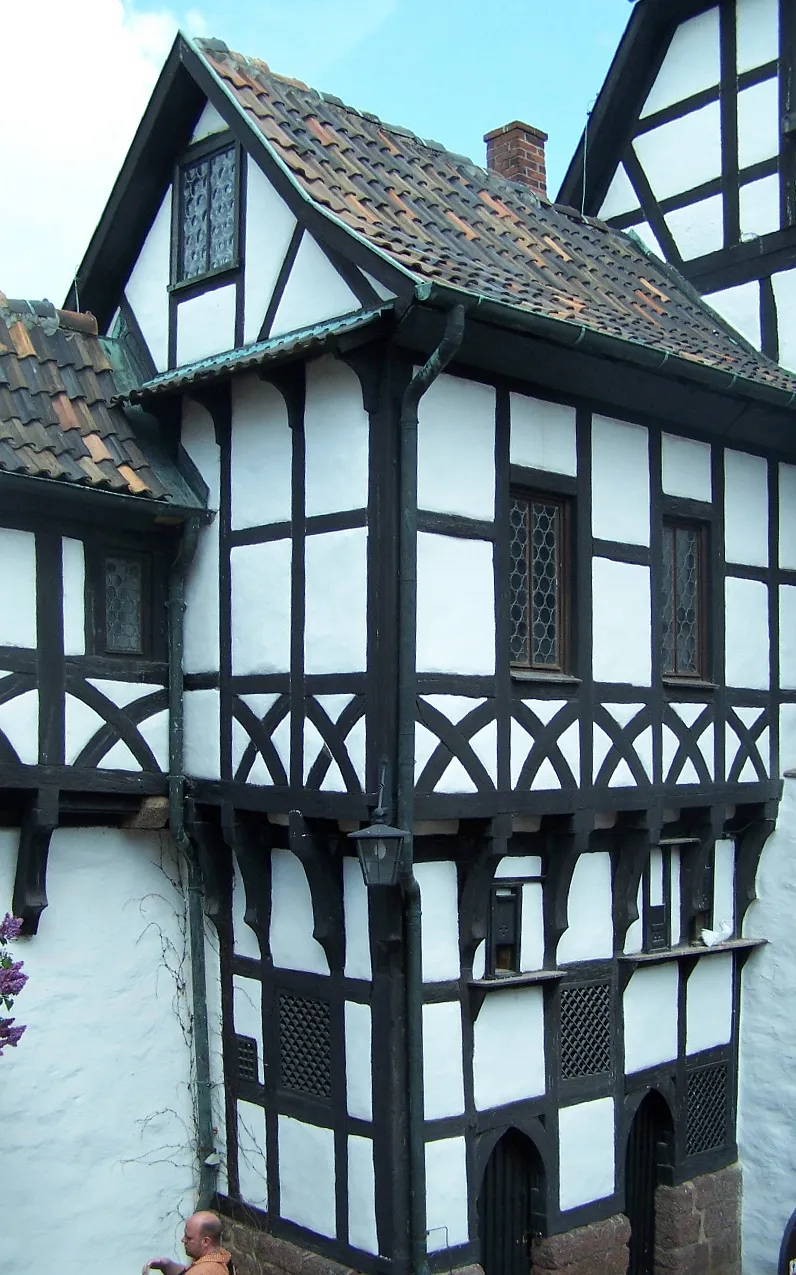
(379, 849)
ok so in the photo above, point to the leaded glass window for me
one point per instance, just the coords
(683, 591)
(208, 214)
(124, 594)
(537, 581)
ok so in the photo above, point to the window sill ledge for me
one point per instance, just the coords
(688, 684)
(479, 987)
(690, 951)
(535, 675)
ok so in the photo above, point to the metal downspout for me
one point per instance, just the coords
(200, 1031)
(405, 780)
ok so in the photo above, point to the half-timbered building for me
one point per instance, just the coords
(499, 555)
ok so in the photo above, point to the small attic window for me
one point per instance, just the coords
(208, 214)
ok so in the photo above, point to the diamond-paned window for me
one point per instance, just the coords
(706, 1108)
(683, 594)
(305, 1045)
(585, 1030)
(124, 595)
(537, 581)
(208, 214)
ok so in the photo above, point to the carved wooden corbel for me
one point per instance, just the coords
(30, 882)
(478, 877)
(566, 837)
(325, 877)
(706, 825)
(216, 877)
(755, 825)
(251, 845)
(636, 833)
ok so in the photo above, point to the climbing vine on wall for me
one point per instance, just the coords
(12, 980)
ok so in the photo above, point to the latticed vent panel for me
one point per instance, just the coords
(123, 603)
(305, 1045)
(706, 1122)
(585, 1030)
(246, 1049)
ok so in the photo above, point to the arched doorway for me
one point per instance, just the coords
(511, 1205)
(648, 1149)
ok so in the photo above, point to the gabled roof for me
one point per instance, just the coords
(57, 419)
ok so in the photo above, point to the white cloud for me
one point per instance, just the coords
(77, 75)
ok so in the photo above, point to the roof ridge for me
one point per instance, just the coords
(45, 315)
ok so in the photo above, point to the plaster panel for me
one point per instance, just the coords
(293, 945)
(81, 723)
(787, 637)
(201, 587)
(154, 731)
(119, 757)
(440, 920)
(515, 867)
(335, 626)
(620, 459)
(261, 457)
(244, 939)
(19, 722)
(683, 154)
(586, 1153)
(357, 927)
(724, 883)
(621, 622)
(643, 231)
(336, 428)
(543, 435)
(746, 634)
(620, 197)
(306, 1154)
(532, 930)
(674, 887)
(758, 123)
(757, 33)
(784, 285)
(787, 517)
(206, 324)
(455, 605)
(685, 468)
(691, 63)
(313, 293)
(252, 1160)
(269, 229)
(18, 581)
(443, 1079)
(650, 1015)
(589, 935)
(209, 122)
(759, 203)
(510, 1025)
(446, 1193)
(147, 288)
(362, 1233)
(261, 607)
(247, 998)
(740, 307)
(124, 694)
(358, 1066)
(708, 1003)
(202, 734)
(698, 228)
(456, 448)
(745, 509)
(74, 574)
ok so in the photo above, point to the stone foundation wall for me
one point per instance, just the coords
(597, 1249)
(698, 1225)
(256, 1253)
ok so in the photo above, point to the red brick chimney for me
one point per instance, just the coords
(516, 152)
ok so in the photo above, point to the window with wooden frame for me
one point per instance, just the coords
(540, 581)
(504, 930)
(657, 900)
(206, 230)
(125, 603)
(684, 600)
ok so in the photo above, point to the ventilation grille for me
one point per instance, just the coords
(247, 1059)
(706, 1125)
(304, 1045)
(585, 1030)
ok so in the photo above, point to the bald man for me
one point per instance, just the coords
(202, 1243)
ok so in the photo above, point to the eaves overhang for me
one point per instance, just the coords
(54, 498)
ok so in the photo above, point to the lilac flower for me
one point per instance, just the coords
(9, 927)
(9, 1034)
(12, 980)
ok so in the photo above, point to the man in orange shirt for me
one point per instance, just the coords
(202, 1243)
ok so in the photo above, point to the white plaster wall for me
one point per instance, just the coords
(740, 307)
(784, 285)
(509, 1025)
(759, 207)
(456, 448)
(543, 435)
(589, 935)
(336, 581)
(218, 1097)
(586, 1152)
(18, 581)
(745, 509)
(443, 1078)
(690, 65)
(292, 943)
(358, 1066)
(787, 636)
(683, 154)
(74, 574)
(446, 1193)
(243, 937)
(202, 734)
(724, 883)
(767, 1081)
(746, 633)
(621, 622)
(269, 228)
(357, 925)
(247, 1000)
(699, 228)
(362, 1232)
(620, 461)
(685, 468)
(336, 429)
(206, 324)
(306, 1155)
(261, 607)
(80, 723)
(787, 516)
(147, 287)
(758, 123)
(708, 1003)
(97, 1086)
(261, 454)
(620, 197)
(252, 1158)
(757, 33)
(532, 935)
(440, 920)
(455, 605)
(19, 722)
(650, 1013)
(313, 293)
(209, 122)
(201, 586)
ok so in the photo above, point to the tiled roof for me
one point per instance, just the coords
(57, 420)
(444, 219)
